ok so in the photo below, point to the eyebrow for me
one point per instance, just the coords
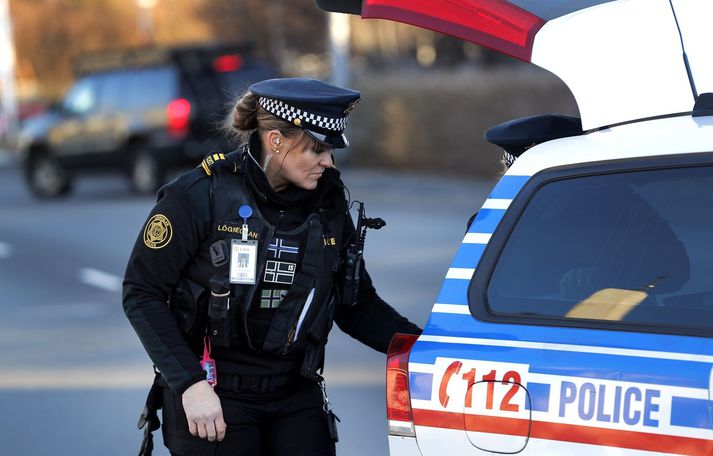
(319, 147)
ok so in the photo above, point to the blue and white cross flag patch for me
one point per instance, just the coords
(279, 247)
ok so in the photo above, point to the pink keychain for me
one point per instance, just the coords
(208, 363)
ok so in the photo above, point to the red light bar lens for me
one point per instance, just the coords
(227, 63)
(496, 24)
(398, 398)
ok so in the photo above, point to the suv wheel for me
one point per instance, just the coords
(46, 178)
(146, 173)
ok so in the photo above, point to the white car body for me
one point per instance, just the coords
(593, 380)
(663, 137)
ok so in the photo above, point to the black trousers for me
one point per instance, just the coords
(287, 422)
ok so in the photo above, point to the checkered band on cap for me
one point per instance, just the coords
(290, 113)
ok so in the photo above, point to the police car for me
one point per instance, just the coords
(577, 314)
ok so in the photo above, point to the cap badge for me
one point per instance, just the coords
(351, 106)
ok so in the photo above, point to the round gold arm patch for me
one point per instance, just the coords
(158, 232)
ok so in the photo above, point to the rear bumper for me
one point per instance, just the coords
(403, 446)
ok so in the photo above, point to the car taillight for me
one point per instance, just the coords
(178, 114)
(227, 63)
(398, 398)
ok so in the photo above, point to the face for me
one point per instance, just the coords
(301, 163)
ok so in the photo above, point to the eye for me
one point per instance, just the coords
(321, 148)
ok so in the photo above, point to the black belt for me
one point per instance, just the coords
(258, 384)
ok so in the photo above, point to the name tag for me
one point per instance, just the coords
(243, 261)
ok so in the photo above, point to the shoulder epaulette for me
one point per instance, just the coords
(212, 160)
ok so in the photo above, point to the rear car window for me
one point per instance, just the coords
(82, 97)
(150, 87)
(634, 247)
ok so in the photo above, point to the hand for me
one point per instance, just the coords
(204, 413)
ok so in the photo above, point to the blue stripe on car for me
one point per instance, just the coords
(539, 397)
(468, 256)
(508, 187)
(453, 291)
(461, 325)
(690, 412)
(420, 385)
(574, 364)
(486, 221)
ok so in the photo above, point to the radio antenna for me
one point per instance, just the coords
(685, 57)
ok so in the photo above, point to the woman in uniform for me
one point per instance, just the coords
(236, 278)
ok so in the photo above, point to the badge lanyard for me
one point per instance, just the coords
(208, 364)
(243, 253)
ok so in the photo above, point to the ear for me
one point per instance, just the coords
(274, 139)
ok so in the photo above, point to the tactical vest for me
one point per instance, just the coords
(306, 308)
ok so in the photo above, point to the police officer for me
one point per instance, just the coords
(238, 274)
(517, 135)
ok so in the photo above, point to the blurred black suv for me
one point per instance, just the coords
(139, 112)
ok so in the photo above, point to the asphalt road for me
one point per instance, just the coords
(73, 375)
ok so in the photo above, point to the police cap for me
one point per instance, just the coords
(516, 136)
(320, 109)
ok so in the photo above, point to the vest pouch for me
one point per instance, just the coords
(319, 328)
(316, 335)
(219, 312)
(184, 303)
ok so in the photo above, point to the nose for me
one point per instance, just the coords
(326, 160)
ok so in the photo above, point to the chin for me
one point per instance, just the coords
(311, 185)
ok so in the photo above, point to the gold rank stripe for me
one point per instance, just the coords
(209, 160)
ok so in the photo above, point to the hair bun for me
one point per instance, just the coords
(246, 111)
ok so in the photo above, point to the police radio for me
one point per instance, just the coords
(354, 255)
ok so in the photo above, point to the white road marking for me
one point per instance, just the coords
(78, 377)
(100, 279)
(5, 250)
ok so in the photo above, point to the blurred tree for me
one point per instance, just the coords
(384, 43)
(48, 32)
(276, 27)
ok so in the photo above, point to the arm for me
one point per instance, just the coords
(371, 321)
(153, 270)
(165, 246)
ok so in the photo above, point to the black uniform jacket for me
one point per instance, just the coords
(157, 264)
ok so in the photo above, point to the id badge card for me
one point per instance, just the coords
(243, 261)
